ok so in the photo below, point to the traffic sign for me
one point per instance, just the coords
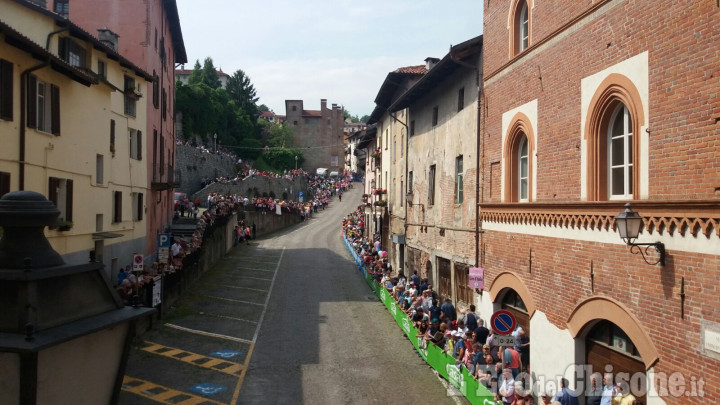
(137, 262)
(163, 243)
(504, 341)
(503, 322)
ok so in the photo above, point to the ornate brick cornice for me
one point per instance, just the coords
(671, 217)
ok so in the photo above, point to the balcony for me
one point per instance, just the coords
(165, 177)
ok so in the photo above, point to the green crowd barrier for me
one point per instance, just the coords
(441, 362)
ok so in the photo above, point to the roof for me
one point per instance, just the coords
(267, 113)
(438, 73)
(18, 40)
(393, 81)
(416, 70)
(175, 31)
(77, 32)
(367, 137)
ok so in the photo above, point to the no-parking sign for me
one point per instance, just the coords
(137, 262)
(503, 322)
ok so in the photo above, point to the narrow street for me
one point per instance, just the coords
(285, 319)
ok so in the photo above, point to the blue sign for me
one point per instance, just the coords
(300, 194)
(208, 389)
(163, 240)
(226, 354)
(503, 322)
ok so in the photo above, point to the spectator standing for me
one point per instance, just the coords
(566, 396)
(448, 310)
(595, 390)
(482, 332)
(415, 279)
(471, 319)
(506, 389)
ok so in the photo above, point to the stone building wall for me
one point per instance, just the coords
(194, 165)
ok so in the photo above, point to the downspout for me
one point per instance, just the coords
(23, 109)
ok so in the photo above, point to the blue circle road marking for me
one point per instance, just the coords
(503, 322)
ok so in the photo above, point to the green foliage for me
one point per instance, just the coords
(243, 93)
(365, 118)
(250, 149)
(280, 136)
(282, 158)
(208, 109)
(263, 108)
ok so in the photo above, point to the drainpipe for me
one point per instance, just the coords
(23, 108)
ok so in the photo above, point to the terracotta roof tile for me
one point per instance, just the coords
(417, 70)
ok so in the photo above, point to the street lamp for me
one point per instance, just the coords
(215, 136)
(629, 223)
(64, 332)
(296, 158)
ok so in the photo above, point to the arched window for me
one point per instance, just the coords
(520, 28)
(615, 116)
(523, 26)
(518, 161)
(523, 169)
(620, 154)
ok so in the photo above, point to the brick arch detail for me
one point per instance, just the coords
(605, 308)
(512, 25)
(510, 280)
(520, 124)
(615, 88)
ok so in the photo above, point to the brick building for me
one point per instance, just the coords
(319, 133)
(150, 36)
(591, 105)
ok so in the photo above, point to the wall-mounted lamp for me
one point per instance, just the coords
(409, 198)
(629, 223)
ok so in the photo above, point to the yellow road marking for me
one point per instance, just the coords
(236, 395)
(211, 363)
(142, 388)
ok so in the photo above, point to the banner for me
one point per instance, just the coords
(443, 363)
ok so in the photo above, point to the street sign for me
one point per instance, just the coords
(503, 322)
(157, 291)
(163, 244)
(138, 263)
(503, 341)
(477, 278)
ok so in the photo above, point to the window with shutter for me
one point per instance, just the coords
(112, 137)
(31, 101)
(117, 206)
(6, 90)
(55, 110)
(139, 145)
(4, 183)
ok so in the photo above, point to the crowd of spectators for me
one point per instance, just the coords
(461, 334)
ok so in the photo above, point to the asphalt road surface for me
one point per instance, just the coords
(287, 319)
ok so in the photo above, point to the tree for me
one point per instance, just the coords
(263, 108)
(365, 118)
(209, 74)
(242, 91)
(196, 75)
(280, 136)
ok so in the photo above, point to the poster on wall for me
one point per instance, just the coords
(477, 278)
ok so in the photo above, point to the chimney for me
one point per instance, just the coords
(108, 38)
(431, 62)
(323, 104)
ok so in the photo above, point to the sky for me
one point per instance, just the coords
(339, 50)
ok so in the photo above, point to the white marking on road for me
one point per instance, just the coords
(257, 278)
(242, 288)
(232, 300)
(231, 318)
(202, 332)
(451, 391)
(267, 299)
(254, 269)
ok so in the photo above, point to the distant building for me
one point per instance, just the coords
(182, 75)
(271, 117)
(352, 127)
(318, 133)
